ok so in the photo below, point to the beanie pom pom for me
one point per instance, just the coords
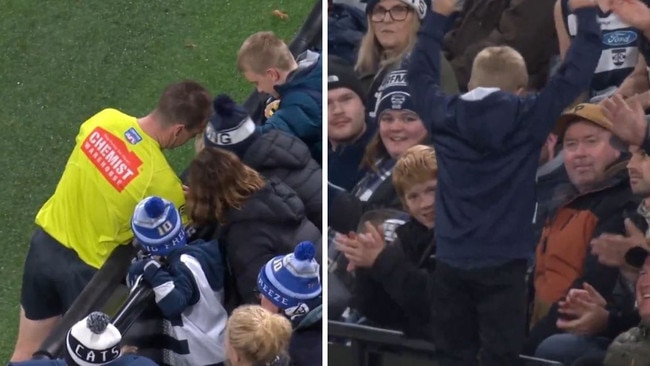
(304, 251)
(224, 105)
(154, 207)
(97, 322)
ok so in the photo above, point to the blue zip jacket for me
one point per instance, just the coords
(299, 113)
(488, 144)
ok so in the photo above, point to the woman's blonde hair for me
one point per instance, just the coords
(372, 56)
(257, 335)
(219, 181)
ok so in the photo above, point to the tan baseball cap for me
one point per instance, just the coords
(583, 111)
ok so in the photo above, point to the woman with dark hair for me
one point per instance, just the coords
(257, 219)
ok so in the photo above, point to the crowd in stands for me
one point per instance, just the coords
(488, 176)
(231, 247)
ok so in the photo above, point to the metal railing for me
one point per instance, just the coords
(361, 345)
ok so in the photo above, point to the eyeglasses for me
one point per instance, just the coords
(397, 13)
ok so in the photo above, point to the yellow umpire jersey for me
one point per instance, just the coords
(113, 166)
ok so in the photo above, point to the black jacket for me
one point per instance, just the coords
(306, 347)
(395, 291)
(270, 223)
(286, 157)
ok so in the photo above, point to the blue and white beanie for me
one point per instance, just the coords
(157, 226)
(231, 127)
(393, 94)
(93, 341)
(292, 282)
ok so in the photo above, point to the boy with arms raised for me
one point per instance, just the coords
(488, 143)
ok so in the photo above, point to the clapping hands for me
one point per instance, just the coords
(611, 248)
(361, 250)
(585, 309)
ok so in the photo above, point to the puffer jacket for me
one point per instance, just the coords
(270, 223)
(280, 155)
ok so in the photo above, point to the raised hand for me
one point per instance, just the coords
(628, 121)
(632, 12)
(444, 7)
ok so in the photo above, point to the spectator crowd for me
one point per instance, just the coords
(489, 176)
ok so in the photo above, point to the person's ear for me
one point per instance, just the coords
(236, 357)
(273, 74)
(178, 128)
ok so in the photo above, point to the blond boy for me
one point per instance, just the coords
(415, 178)
(266, 62)
(488, 144)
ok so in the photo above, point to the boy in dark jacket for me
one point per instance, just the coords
(488, 143)
(392, 285)
(267, 62)
(290, 285)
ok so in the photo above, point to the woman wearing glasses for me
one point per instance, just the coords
(392, 29)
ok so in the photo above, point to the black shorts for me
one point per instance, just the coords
(53, 277)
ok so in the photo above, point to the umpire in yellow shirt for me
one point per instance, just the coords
(116, 162)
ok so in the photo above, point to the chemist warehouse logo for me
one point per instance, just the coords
(111, 157)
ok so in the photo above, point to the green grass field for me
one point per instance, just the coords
(63, 61)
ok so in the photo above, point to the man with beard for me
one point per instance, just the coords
(347, 130)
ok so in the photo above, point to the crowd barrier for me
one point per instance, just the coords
(361, 345)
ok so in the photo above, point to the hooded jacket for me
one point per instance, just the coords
(270, 223)
(488, 144)
(280, 155)
(300, 112)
